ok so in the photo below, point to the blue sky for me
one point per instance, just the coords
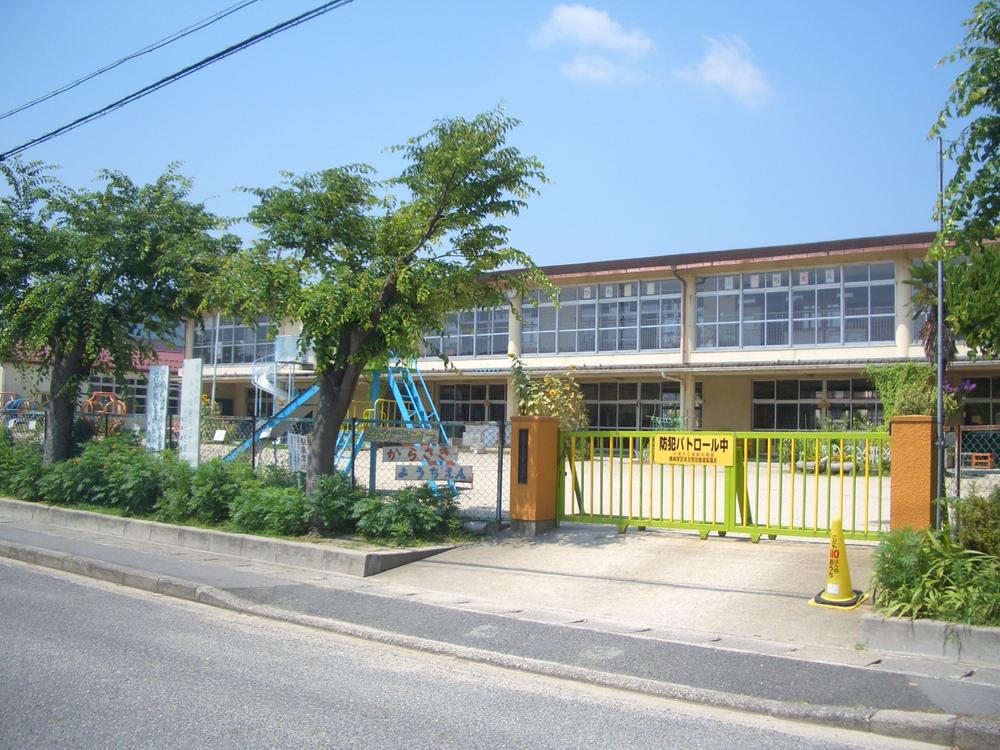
(665, 126)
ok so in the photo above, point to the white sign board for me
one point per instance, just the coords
(298, 452)
(424, 473)
(432, 452)
(190, 440)
(157, 395)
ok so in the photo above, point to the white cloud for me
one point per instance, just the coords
(589, 27)
(593, 69)
(727, 64)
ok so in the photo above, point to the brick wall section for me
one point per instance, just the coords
(914, 469)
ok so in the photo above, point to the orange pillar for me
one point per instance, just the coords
(533, 473)
(914, 473)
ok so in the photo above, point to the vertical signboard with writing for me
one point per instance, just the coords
(190, 440)
(157, 395)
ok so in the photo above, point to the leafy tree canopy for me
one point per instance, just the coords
(88, 277)
(369, 266)
(970, 206)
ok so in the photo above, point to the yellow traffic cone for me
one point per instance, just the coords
(838, 593)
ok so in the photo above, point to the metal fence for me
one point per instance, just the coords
(972, 460)
(791, 484)
(475, 467)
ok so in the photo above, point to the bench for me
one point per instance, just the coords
(981, 460)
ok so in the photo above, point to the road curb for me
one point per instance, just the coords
(969, 733)
(325, 557)
(965, 643)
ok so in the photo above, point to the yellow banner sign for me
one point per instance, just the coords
(705, 448)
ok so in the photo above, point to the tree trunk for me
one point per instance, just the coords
(59, 411)
(336, 392)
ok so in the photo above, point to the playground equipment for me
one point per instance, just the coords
(105, 404)
(400, 399)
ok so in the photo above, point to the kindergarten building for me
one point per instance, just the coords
(767, 338)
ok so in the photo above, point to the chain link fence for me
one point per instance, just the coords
(972, 460)
(380, 455)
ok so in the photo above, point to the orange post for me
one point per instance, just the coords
(534, 472)
(914, 473)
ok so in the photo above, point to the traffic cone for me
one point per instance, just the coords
(838, 593)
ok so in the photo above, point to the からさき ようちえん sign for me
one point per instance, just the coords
(705, 448)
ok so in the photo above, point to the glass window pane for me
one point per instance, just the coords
(707, 337)
(777, 333)
(567, 341)
(585, 341)
(628, 391)
(763, 416)
(609, 391)
(729, 310)
(883, 299)
(777, 305)
(628, 339)
(838, 389)
(546, 343)
(729, 334)
(753, 307)
(763, 389)
(628, 416)
(786, 416)
(828, 302)
(787, 389)
(828, 331)
(804, 303)
(649, 391)
(883, 328)
(856, 300)
(650, 314)
(753, 334)
(811, 389)
(803, 332)
(855, 273)
(882, 271)
(670, 310)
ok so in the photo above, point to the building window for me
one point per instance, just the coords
(815, 404)
(633, 406)
(472, 402)
(805, 307)
(471, 333)
(629, 316)
(982, 404)
(134, 392)
(237, 343)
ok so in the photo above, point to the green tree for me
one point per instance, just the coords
(970, 206)
(368, 272)
(87, 278)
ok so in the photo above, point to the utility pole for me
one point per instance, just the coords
(940, 343)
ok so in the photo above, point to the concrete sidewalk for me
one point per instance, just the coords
(721, 621)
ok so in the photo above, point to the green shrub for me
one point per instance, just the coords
(978, 521)
(278, 476)
(20, 468)
(215, 486)
(929, 575)
(114, 472)
(270, 510)
(330, 507)
(413, 514)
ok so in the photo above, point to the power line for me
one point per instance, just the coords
(249, 41)
(139, 53)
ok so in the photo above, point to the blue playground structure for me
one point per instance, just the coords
(400, 399)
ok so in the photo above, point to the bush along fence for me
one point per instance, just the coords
(381, 456)
(120, 475)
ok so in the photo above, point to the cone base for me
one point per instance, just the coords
(853, 603)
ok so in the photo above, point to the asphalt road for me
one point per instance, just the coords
(87, 665)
